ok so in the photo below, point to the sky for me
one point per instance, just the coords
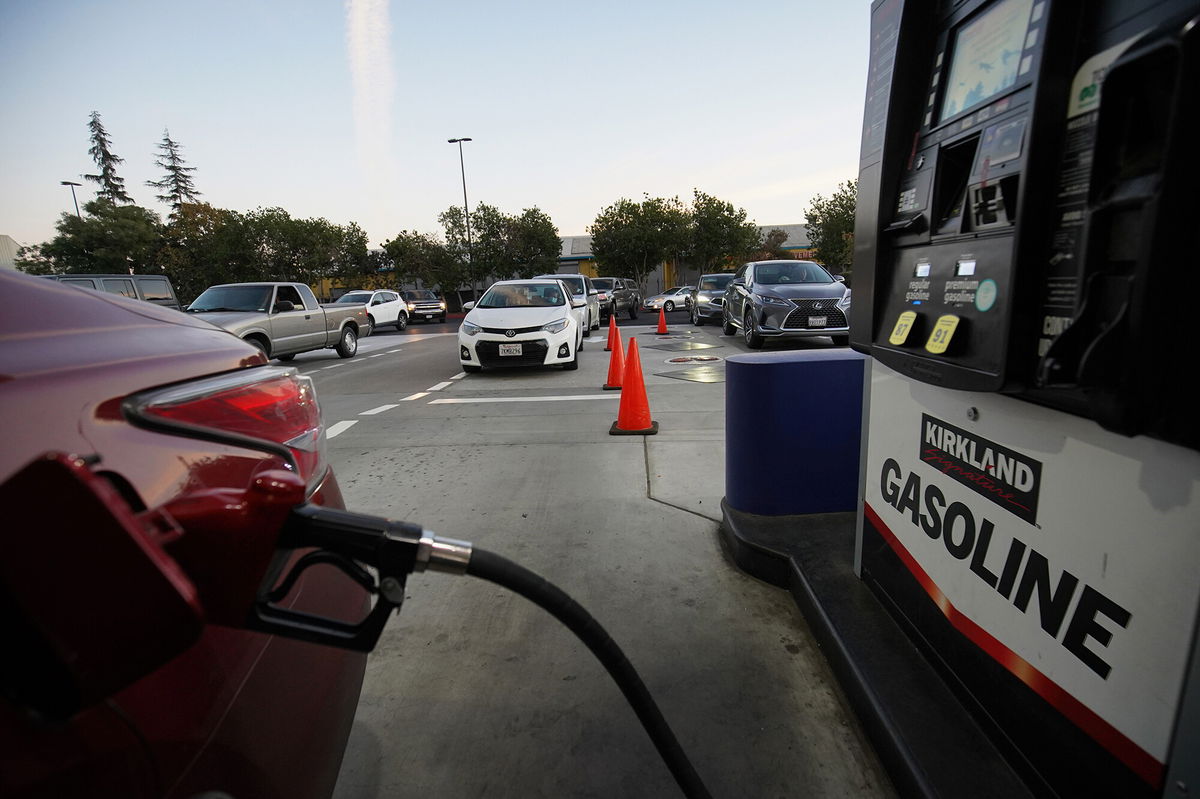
(342, 110)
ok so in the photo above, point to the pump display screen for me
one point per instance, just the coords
(987, 56)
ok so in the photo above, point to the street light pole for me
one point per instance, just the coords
(466, 210)
(72, 184)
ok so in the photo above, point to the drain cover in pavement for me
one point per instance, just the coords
(682, 346)
(697, 374)
(708, 359)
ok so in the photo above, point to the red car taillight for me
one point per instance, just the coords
(271, 404)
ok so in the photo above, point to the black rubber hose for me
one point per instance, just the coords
(489, 566)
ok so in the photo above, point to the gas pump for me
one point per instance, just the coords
(1031, 482)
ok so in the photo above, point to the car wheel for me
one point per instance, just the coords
(289, 357)
(573, 364)
(668, 306)
(587, 331)
(471, 368)
(727, 326)
(596, 326)
(753, 340)
(370, 325)
(348, 344)
(257, 343)
(696, 319)
(841, 341)
(402, 321)
(633, 311)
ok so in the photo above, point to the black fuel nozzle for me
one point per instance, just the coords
(355, 544)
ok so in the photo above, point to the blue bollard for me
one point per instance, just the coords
(793, 426)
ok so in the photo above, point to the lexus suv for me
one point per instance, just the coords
(786, 299)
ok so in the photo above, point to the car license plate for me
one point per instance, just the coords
(510, 349)
(428, 316)
(817, 321)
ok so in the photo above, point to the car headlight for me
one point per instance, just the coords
(844, 302)
(412, 306)
(702, 300)
(556, 326)
(470, 328)
(767, 299)
(442, 305)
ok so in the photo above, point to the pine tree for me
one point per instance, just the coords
(176, 185)
(112, 186)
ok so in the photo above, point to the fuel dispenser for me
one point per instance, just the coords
(1024, 249)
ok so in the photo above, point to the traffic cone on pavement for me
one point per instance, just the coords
(613, 335)
(662, 323)
(633, 417)
(616, 363)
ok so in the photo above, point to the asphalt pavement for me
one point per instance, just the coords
(475, 692)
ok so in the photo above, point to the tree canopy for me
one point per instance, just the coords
(720, 233)
(630, 239)
(831, 227)
(110, 238)
(112, 186)
(422, 259)
(176, 185)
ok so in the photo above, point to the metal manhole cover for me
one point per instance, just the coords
(694, 359)
(682, 346)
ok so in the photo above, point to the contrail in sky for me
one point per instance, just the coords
(368, 40)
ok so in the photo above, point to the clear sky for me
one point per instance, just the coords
(342, 110)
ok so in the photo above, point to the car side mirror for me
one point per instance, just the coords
(578, 303)
(92, 602)
(468, 305)
(593, 292)
(283, 306)
(839, 278)
(737, 282)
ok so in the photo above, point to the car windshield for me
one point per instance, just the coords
(575, 284)
(605, 283)
(232, 298)
(523, 295)
(800, 272)
(714, 282)
(672, 290)
(420, 294)
(359, 297)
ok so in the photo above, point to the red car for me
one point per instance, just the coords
(249, 714)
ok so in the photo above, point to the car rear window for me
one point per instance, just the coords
(357, 297)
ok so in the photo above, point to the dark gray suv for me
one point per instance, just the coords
(786, 299)
(708, 297)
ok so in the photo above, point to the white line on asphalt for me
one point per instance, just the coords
(393, 352)
(521, 399)
(336, 365)
(438, 387)
(459, 376)
(379, 355)
(380, 409)
(338, 428)
(416, 396)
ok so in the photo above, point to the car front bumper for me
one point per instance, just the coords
(802, 319)
(537, 348)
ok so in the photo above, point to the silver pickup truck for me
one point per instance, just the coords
(282, 319)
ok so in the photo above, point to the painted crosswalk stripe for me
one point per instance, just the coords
(416, 396)
(338, 428)
(459, 376)
(380, 409)
(438, 387)
(465, 400)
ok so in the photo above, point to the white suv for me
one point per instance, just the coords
(383, 308)
(582, 290)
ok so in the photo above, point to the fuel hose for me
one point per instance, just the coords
(503, 572)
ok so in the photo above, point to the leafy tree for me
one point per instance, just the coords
(534, 243)
(491, 257)
(112, 186)
(454, 222)
(630, 239)
(109, 238)
(420, 258)
(719, 233)
(831, 227)
(32, 261)
(205, 246)
(176, 185)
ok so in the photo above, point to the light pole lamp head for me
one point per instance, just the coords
(69, 183)
(455, 141)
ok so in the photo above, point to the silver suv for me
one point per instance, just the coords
(581, 290)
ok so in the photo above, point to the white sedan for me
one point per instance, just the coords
(521, 323)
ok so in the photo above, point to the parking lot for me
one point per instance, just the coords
(474, 691)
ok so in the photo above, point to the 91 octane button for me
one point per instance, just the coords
(904, 326)
(943, 332)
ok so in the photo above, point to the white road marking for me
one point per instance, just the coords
(416, 396)
(459, 376)
(438, 387)
(338, 428)
(336, 365)
(393, 352)
(521, 399)
(379, 355)
(380, 409)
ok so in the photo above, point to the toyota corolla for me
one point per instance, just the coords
(521, 323)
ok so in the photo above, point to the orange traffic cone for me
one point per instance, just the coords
(613, 335)
(616, 363)
(662, 323)
(633, 417)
